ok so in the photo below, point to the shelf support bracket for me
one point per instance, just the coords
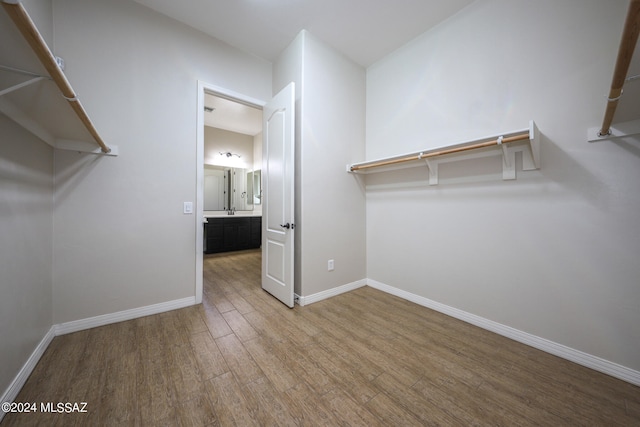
(14, 113)
(617, 130)
(25, 25)
(505, 154)
(433, 169)
(21, 85)
(508, 160)
(526, 142)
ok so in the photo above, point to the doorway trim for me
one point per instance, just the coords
(231, 95)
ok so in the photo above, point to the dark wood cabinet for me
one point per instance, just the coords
(232, 234)
(255, 236)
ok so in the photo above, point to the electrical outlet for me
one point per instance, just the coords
(330, 265)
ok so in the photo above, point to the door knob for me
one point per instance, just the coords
(287, 225)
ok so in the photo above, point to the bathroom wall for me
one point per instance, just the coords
(220, 140)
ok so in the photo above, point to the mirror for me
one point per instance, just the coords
(227, 188)
(254, 190)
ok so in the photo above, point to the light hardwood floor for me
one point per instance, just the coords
(362, 358)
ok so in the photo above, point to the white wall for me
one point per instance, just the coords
(330, 208)
(121, 239)
(41, 13)
(26, 212)
(553, 254)
(288, 68)
(26, 245)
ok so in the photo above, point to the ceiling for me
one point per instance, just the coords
(231, 116)
(363, 30)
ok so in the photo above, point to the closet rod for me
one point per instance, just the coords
(625, 54)
(23, 21)
(425, 155)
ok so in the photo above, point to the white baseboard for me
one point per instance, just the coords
(568, 353)
(310, 299)
(120, 316)
(18, 382)
(79, 325)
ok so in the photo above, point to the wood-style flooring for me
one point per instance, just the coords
(363, 358)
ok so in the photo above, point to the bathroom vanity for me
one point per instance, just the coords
(232, 233)
(232, 209)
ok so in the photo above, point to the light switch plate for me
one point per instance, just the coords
(188, 208)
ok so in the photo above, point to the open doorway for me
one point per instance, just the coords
(229, 179)
(232, 159)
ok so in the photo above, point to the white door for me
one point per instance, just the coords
(278, 226)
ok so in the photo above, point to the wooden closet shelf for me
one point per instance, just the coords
(41, 120)
(506, 144)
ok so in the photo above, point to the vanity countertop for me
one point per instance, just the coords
(223, 214)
